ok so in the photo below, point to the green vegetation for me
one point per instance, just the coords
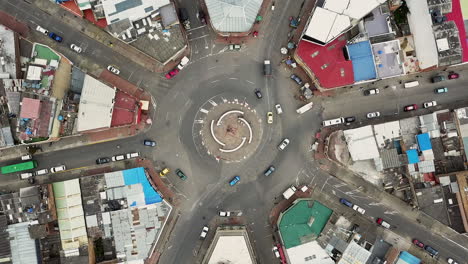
(400, 14)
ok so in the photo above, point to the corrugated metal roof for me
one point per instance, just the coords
(96, 105)
(23, 248)
(233, 15)
(412, 156)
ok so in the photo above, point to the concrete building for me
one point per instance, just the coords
(231, 244)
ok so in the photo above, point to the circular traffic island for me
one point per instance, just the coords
(231, 131)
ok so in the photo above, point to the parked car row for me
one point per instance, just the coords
(355, 207)
(430, 250)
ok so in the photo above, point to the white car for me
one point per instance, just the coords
(373, 115)
(57, 169)
(429, 104)
(118, 157)
(224, 214)
(204, 232)
(283, 144)
(133, 155)
(359, 209)
(41, 172)
(42, 30)
(276, 252)
(451, 261)
(279, 110)
(26, 157)
(75, 48)
(113, 69)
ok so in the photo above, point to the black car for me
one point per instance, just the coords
(258, 94)
(103, 160)
(350, 119)
(149, 143)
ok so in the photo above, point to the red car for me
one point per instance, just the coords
(418, 243)
(410, 107)
(172, 73)
(453, 75)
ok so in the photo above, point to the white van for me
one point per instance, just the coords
(133, 155)
(333, 122)
(26, 157)
(411, 84)
(26, 175)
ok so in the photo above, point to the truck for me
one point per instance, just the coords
(305, 108)
(267, 67)
(289, 192)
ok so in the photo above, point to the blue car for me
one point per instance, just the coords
(346, 202)
(234, 180)
(55, 37)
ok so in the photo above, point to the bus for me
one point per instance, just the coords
(28, 165)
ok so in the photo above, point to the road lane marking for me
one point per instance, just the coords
(102, 141)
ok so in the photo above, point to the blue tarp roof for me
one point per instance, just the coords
(363, 61)
(424, 141)
(408, 258)
(412, 156)
(137, 175)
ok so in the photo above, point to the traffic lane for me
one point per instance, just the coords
(86, 155)
(390, 101)
(400, 224)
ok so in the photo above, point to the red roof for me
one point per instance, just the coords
(327, 62)
(30, 108)
(457, 17)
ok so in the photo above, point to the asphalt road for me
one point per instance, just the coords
(214, 71)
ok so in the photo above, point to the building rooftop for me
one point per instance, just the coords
(377, 22)
(302, 222)
(387, 58)
(327, 63)
(23, 247)
(420, 22)
(7, 53)
(361, 143)
(96, 104)
(70, 214)
(234, 15)
(231, 244)
(363, 61)
(335, 17)
(117, 10)
(5, 249)
(30, 108)
(310, 253)
(407, 258)
(354, 254)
